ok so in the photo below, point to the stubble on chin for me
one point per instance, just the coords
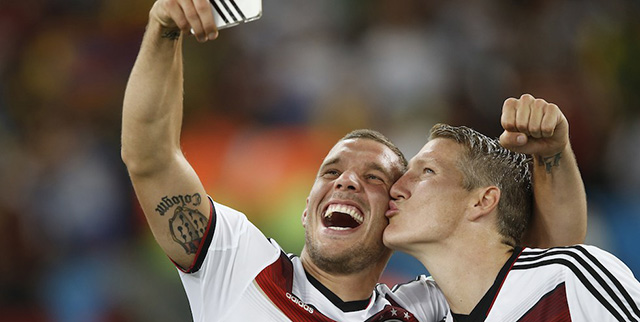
(348, 261)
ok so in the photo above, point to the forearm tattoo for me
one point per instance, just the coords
(188, 224)
(173, 34)
(550, 162)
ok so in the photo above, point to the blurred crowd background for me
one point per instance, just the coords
(264, 103)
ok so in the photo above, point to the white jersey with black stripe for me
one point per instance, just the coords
(240, 275)
(575, 283)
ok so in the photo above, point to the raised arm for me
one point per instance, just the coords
(170, 193)
(535, 127)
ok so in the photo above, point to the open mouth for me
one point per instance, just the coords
(342, 217)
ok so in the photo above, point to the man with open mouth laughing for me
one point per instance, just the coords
(342, 219)
(229, 270)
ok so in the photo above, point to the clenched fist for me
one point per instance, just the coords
(194, 16)
(533, 126)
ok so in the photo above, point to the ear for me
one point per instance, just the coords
(304, 214)
(486, 201)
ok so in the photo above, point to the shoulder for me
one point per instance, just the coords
(598, 285)
(228, 222)
(224, 210)
(574, 257)
(580, 266)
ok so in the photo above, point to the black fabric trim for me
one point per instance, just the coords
(481, 310)
(287, 272)
(594, 260)
(463, 317)
(583, 279)
(349, 306)
(206, 241)
(614, 280)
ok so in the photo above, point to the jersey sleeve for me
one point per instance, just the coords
(600, 287)
(422, 297)
(236, 253)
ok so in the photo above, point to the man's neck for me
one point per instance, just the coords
(348, 287)
(465, 272)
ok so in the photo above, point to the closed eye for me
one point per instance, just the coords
(330, 173)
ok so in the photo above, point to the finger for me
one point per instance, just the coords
(550, 120)
(193, 19)
(535, 120)
(524, 113)
(205, 12)
(175, 14)
(508, 118)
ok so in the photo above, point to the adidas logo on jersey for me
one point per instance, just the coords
(301, 304)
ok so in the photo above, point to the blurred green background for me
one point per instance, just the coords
(264, 103)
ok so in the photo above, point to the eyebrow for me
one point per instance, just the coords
(370, 165)
(330, 162)
(423, 161)
(375, 166)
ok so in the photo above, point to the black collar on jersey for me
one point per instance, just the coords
(481, 310)
(349, 306)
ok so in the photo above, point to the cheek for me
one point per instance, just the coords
(317, 193)
(381, 197)
(376, 233)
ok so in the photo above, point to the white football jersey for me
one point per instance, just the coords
(575, 283)
(240, 275)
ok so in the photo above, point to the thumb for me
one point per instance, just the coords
(521, 143)
(513, 140)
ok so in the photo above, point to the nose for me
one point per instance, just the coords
(398, 189)
(348, 181)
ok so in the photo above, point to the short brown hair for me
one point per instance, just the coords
(378, 137)
(487, 163)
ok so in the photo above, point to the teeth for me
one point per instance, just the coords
(339, 228)
(350, 210)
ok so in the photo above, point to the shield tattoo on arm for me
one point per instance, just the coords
(187, 228)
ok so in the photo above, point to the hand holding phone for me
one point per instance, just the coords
(229, 13)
